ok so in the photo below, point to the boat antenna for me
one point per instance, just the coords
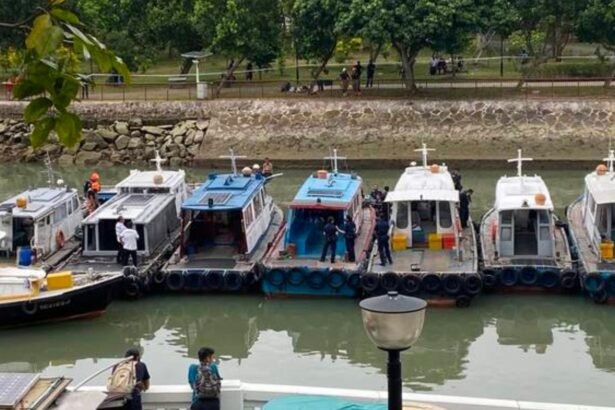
(519, 160)
(233, 159)
(610, 160)
(49, 170)
(424, 150)
(334, 158)
(158, 161)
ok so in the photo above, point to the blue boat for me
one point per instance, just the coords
(229, 223)
(292, 265)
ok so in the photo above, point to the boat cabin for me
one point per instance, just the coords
(322, 195)
(40, 218)
(599, 203)
(524, 210)
(424, 204)
(151, 200)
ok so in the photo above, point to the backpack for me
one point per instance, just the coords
(123, 379)
(207, 383)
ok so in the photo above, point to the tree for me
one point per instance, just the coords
(54, 43)
(597, 24)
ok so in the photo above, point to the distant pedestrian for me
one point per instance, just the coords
(129, 238)
(433, 65)
(330, 233)
(465, 199)
(350, 234)
(267, 168)
(131, 378)
(345, 78)
(382, 236)
(205, 381)
(356, 80)
(119, 229)
(371, 70)
(249, 73)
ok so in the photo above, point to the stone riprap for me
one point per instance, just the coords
(306, 129)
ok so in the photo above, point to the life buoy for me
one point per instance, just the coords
(370, 282)
(29, 307)
(233, 281)
(316, 279)
(175, 280)
(410, 284)
(472, 284)
(452, 284)
(60, 240)
(528, 275)
(569, 280)
(295, 277)
(354, 281)
(131, 287)
(336, 279)
(193, 280)
(509, 276)
(214, 280)
(431, 283)
(549, 279)
(594, 283)
(275, 277)
(463, 301)
(390, 281)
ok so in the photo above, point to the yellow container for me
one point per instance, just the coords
(400, 242)
(60, 280)
(606, 250)
(435, 241)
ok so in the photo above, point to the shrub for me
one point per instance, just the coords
(568, 70)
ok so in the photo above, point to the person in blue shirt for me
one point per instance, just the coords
(206, 358)
(330, 232)
(382, 235)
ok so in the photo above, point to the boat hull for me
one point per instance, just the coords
(88, 300)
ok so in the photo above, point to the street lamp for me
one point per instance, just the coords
(393, 322)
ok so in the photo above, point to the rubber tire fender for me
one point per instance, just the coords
(370, 282)
(175, 280)
(131, 287)
(390, 281)
(214, 280)
(549, 279)
(463, 301)
(354, 281)
(193, 280)
(316, 279)
(336, 279)
(569, 279)
(597, 280)
(276, 277)
(250, 279)
(452, 284)
(528, 276)
(159, 277)
(431, 283)
(410, 284)
(472, 284)
(509, 277)
(295, 277)
(490, 278)
(233, 281)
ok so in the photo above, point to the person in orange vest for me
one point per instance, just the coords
(95, 182)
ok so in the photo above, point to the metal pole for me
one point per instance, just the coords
(501, 55)
(296, 65)
(394, 376)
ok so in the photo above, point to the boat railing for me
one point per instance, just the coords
(250, 396)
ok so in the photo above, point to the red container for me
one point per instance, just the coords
(448, 241)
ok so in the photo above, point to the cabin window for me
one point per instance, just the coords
(248, 216)
(258, 205)
(545, 234)
(75, 204)
(90, 236)
(401, 221)
(444, 214)
(506, 234)
(506, 217)
(543, 217)
(59, 214)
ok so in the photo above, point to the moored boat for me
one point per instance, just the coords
(151, 201)
(591, 219)
(524, 245)
(293, 264)
(228, 225)
(29, 296)
(433, 255)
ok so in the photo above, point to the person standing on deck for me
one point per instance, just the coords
(382, 236)
(119, 229)
(386, 207)
(267, 168)
(465, 198)
(350, 234)
(456, 176)
(129, 240)
(95, 181)
(330, 233)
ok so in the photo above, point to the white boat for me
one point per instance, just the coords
(40, 223)
(523, 242)
(433, 255)
(592, 229)
(151, 200)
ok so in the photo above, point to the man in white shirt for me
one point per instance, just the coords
(119, 228)
(129, 239)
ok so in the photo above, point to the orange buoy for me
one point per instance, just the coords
(540, 198)
(494, 230)
(435, 168)
(60, 240)
(601, 169)
(21, 202)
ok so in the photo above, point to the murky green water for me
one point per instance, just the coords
(546, 348)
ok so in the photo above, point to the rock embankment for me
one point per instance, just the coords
(121, 142)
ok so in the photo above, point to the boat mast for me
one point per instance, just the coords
(519, 160)
(233, 158)
(424, 150)
(610, 160)
(158, 161)
(335, 158)
(49, 171)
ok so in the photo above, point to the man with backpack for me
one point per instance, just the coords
(205, 380)
(130, 378)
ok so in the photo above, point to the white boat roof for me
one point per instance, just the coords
(139, 208)
(519, 192)
(601, 187)
(15, 272)
(41, 201)
(419, 183)
(145, 179)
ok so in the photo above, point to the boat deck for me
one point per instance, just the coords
(362, 244)
(432, 261)
(587, 254)
(54, 260)
(226, 257)
(489, 250)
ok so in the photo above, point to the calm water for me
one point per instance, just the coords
(557, 348)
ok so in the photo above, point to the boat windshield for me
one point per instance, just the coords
(307, 227)
(605, 221)
(23, 232)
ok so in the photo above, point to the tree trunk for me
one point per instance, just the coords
(407, 63)
(229, 73)
(483, 42)
(375, 52)
(609, 79)
(323, 64)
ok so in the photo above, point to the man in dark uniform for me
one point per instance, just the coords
(382, 236)
(465, 198)
(456, 175)
(330, 234)
(350, 234)
(386, 207)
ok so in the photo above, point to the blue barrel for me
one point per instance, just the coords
(25, 256)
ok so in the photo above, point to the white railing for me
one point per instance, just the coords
(250, 396)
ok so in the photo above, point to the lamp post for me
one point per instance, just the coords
(393, 322)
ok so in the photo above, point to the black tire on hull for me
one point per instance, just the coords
(410, 284)
(336, 279)
(275, 277)
(594, 283)
(233, 282)
(370, 282)
(452, 284)
(549, 279)
(509, 277)
(214, 280)
(528, 276)
(390, 281)
(463, 301)
(316, 279)
(132, 289)
(295, 277)
(354, 281)
(175, 280)
(431, 283)
(569, 280)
